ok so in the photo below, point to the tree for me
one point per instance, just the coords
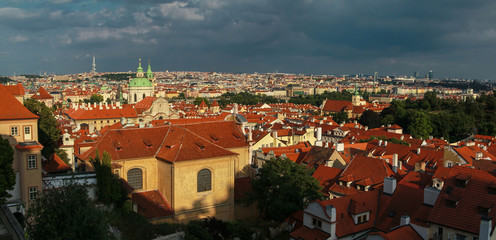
(65, 213)
(340, 117)
(7, 175)
(419, 124)
(96, 98)
(283, 187)
(109, 187)
(48, 133)
(370, 118)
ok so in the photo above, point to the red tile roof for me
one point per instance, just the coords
(16, 90)
(464, 216)
(56, 165)
(151, 204)
(144, 104)
(309, 233)
(42, 94)
(337, 105)
(11, 108)
(104, 113)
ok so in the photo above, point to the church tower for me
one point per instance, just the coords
(141, 86)
(355, 99)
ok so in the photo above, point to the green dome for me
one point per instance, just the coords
(140, 82)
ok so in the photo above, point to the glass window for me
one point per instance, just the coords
(33, 191)
(14, 131)
(135, 178)
(204, 180)
(27, 130)
(31, 161)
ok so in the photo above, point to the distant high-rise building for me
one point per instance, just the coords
(376, 75)
(415, 74)
(93, 66)
(431, 75)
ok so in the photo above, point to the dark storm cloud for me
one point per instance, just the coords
(310, 36)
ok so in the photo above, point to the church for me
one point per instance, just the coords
(179, 172)
(141, 86)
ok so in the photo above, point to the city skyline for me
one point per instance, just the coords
(454, 39)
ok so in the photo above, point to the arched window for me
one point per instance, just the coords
(135, 178)
(144, 96)
(135, 97)
(204, 180)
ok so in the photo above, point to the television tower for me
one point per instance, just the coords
(93, 66)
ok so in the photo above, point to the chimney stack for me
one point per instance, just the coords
(405, 220)
(430, 195)
(340, 147)
(485, 228)
(395, 163)
(389, 185)
(418, 151)
(250, 135)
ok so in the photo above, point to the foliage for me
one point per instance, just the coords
(109, 187)
(318, 99)
(62, 155)
(119, 76)
(135, 227)
(65, 213)
(4, 80)
(384, 138)
(199, 100)
(7, 175)
(195, 231)
(370, 118)
(48, 133)
(282, 187)
(215, 229)
(453, 120)
(246, 98)
(340, 117)
(95, 98)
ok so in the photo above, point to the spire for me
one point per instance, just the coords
(149, 73)
(139, 73)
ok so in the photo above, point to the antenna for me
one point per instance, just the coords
(93, 66)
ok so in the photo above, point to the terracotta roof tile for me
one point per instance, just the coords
(11, 108)
(151, 204)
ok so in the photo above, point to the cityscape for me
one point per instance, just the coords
(247, 120)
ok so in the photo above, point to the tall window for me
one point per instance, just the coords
(14, 131)
(144, 96)
(204, 180)
(33, 191)
(27, 130)
(135, 97)
(31, 161)
(135, 178)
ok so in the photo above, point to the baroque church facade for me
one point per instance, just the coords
(141, 86)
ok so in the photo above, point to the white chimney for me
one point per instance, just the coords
(331, 212)
(380, 143)
(385, 143)
(389, 185)
(485, 228)
(235, 110)
(319, 134)
(405, 220)
(418, 151)
(366, 128)
(395, 163)
(141, 124)
(250, 135)
(76, 106)
(123, 121)
(339, 147)
(430, 195)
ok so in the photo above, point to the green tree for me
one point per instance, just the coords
(109, 187)
(48, 133)
(62, 155)
(370, 118)
(7, 179)
(419, 125)
(282, 187)
(340, 117)
(96, 98)
(65, 213)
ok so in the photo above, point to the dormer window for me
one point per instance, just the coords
(492, 188)
(200, 145)
(452, 201)
(484, 208)
(148, 143)
(117, 145)
(317, 223)
(214, 137)
(461, 180)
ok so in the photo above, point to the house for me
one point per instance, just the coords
(43, 96)
(20, 127)
(188, 170)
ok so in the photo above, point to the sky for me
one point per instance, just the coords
(453, 38)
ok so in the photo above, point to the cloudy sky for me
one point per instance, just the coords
(454, 38)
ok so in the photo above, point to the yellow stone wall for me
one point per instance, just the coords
(147, 165)
(219, 202)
